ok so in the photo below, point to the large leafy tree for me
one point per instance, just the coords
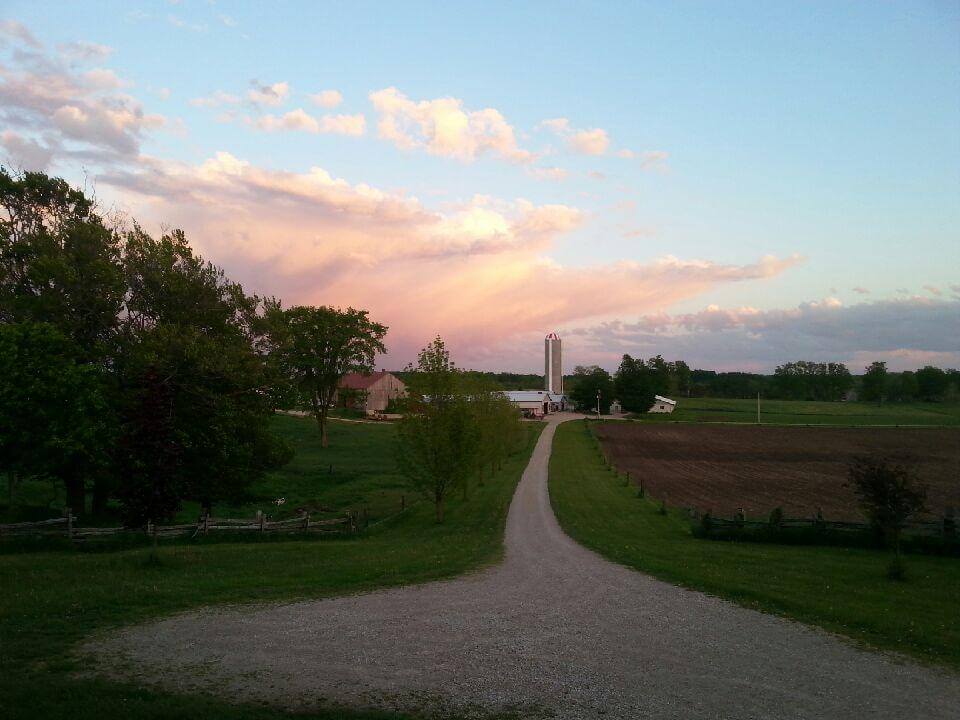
(127, 322)
(60, 266)
(587, 381)
(191, 343)
(314, 347)
(636, 383)
(54, 417)
(439, 436)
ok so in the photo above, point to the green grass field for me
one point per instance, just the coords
(51, 600)
(844, 590)
(799, 412)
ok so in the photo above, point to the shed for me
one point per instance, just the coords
(662, 404)
(371, 392)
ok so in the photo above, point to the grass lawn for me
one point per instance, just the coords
(800, 412)
(51, 600)
(844, 590)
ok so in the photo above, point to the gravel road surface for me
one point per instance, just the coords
(553, 631)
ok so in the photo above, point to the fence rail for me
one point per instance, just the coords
(945, 527)
(66, 526)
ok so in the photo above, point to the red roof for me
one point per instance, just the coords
(357, 381)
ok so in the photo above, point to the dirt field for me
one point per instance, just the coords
(723, 467)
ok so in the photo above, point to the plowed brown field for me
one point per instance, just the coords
(724, 467)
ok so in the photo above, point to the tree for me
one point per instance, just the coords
(587, 382)
(635, 385)
(932, 383)
(874, 384)
(439, 437)
(54, 417)
(60, 266)
(888, 493)
(314, 347)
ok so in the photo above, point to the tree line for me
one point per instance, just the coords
(132, 369)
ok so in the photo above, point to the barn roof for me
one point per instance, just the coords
(661, 398)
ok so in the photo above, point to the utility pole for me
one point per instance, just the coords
(758, 407)
(598, 404)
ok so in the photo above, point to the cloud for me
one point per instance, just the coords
(586, 142)
(227, 20)
(327, 98)
(861, 290)
(56, 109)
(478, 271)
(904, 331)
(444, 127)
(548, 173)
(17, 32)
(179, 22)
(82, 52)
(300, 120)
(216, 99)
(26, 153)
(589, 142)
(267, 95)
(933, 290)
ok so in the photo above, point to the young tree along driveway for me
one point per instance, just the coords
(553, 631)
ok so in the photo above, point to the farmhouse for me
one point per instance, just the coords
(536, 403)
(662, 404)
(370, 393)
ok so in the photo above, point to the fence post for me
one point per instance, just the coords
(306, 521)
(260, 519)
(70, 523)
(206, 523)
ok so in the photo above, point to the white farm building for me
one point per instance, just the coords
(662, 404)
(536, 403)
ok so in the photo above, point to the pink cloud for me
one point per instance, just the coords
(478, 272)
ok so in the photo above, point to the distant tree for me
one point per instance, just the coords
(888, 494)
(680, 378)
(903, 387)
(932, 383)
(805, 380)
(314, 347)
(874, 382)
(635, 385)
(439, 437)
(588, 381)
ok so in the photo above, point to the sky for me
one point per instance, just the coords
(737, 185)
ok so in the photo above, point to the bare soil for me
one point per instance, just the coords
(721, 468)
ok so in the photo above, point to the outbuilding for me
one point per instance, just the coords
(662, 404)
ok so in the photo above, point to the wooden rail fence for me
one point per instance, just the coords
(66, 526)
(945, 527)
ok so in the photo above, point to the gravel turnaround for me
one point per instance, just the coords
(553, 631)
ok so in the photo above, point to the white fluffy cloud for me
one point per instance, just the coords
(51, 106)
(444, 127)
(594, 141)
(327, 98)
(299, 119)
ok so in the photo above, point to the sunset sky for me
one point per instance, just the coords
(733, 184)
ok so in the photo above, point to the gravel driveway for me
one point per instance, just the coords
(554, 631)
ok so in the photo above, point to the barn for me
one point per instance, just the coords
(536, 403)
(370, 393)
